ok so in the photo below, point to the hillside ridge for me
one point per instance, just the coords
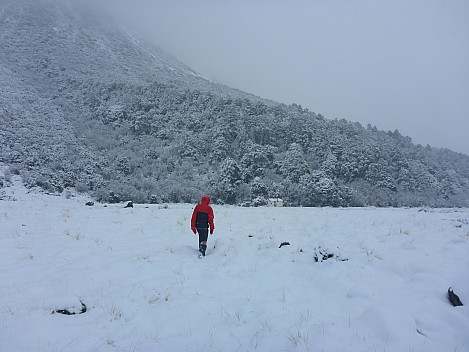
(89, 105)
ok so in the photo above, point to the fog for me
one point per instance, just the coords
(394, 64)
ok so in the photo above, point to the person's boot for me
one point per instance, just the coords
(202, 248)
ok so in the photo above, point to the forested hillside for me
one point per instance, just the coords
(84, 104)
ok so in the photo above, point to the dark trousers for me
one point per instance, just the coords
(203, 234)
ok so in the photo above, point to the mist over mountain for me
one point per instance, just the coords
(84, 103)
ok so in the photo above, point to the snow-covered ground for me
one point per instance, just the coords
(137, 272)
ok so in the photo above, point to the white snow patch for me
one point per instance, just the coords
(145, 290)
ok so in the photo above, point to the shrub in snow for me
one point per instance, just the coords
(322, 254)
(72, 310)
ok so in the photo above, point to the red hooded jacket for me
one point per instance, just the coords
(203, 207)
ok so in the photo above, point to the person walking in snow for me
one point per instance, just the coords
(202, 219)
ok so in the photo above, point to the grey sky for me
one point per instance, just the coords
(400, 64)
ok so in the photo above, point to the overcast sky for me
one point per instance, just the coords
(397, 64)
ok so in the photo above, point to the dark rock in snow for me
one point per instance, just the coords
(453, 298)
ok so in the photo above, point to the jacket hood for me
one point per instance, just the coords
(206, 200)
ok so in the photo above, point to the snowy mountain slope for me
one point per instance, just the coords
(64, 41)
(137, 272)
(52, 53)
(85, 103)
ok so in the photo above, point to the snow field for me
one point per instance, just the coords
(138, 273)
